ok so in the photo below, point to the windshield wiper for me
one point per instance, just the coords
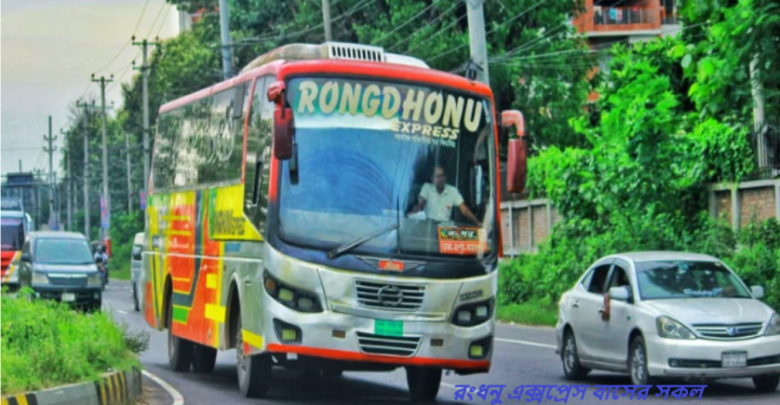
(357, 242)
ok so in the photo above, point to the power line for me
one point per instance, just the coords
(518, 15)
(451, 9)
(409, 21)
(155, 20)
(137, 24)
(441, 31)
(163, 21)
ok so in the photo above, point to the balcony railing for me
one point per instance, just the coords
(624, 16)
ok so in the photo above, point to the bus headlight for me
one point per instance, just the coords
(39, 278)
(473, 314)
(291, 297)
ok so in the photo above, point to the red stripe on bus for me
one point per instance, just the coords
(355, 356)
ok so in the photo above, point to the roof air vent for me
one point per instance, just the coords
(340, 50)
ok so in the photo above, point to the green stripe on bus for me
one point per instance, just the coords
(180, 314)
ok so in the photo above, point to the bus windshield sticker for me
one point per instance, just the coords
(412, 113)
(461, 240)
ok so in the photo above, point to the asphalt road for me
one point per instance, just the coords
(522, 356)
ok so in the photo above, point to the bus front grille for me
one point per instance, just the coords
(388, 345)
(390, 296)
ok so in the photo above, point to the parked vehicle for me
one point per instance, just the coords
(666, 314)
(15, 224)
(136, 267)
(60, 266)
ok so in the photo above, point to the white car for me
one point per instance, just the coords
(668, 315)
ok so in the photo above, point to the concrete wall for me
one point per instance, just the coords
(742, 203)
(525, 224)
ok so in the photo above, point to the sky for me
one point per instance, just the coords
(49, 49)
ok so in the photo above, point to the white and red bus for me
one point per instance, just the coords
(15, 224)
(333, 207)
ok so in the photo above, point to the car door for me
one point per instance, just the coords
(585, 311)
(613, 337)
(25, 268)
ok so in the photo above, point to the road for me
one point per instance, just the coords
(522, 356)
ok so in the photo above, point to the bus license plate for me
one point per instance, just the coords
(68, 297)
(388, 328)
(734, 359)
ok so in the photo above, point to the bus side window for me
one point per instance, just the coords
(257, 169)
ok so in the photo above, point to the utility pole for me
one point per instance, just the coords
(107, 197)
(50, 150)
(129, 174)
(227, 59)
(476, 18)
(85, 174)
(758, 116)
(145, 76)
(69, 185)
(326, 19)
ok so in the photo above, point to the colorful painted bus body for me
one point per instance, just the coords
(15, 224)
(328, 259)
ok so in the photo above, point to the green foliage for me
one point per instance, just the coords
(46, 344)
(528, 313)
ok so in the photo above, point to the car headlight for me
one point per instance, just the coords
(39, 278)
(671, 329)
(773, 328)
(473, 314)
(94, 279)
(291, 297)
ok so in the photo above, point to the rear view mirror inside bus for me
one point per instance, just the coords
(517, 161)
(283, 133)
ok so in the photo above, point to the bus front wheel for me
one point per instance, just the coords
(423, 382)
(254, 372)
(180, 350)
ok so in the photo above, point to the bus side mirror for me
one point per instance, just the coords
(284, 130)
(283, 133)
(517, 161)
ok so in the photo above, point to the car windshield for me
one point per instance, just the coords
(404, 169)
(62, 251)
(688, 279)
(12, 233)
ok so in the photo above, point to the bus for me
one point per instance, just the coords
(15, 224)
(331, 208)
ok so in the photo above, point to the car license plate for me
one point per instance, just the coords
(388, 328)
(734, 359)
(68, 297)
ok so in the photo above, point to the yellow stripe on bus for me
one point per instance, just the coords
(182, 280)
(172, 232)
(252, 339)
(215, 313)
(211, 281)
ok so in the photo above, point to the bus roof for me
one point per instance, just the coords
(12, 214)
(337, 58)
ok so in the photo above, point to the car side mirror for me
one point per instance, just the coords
(517, 160)
(284, 130)
(620, 294)
(758, 291)
(25, 257)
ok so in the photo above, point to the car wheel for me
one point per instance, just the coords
(766, 383)
(637, 362)
(570, 359)
(135, 298)
(423, 382)
(254, 372)
(180, 350)
(203, 358)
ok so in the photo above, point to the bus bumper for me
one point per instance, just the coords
(349, 338)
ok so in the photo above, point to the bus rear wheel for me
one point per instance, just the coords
(254, 372)
(180, 350)
(423, 382)
(203, 358)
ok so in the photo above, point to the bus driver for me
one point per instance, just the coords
(439, 198)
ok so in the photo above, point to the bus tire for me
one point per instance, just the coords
(180, 350)
(423, 382)
(203, 358)
(254, 372)
(135, 298)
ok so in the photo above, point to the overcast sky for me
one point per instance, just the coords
(49, 50)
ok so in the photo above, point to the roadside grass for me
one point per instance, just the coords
(47, 344)
(119, 270)
(528, 313)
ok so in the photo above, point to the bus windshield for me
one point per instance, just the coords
(12, 233)
(404, 169)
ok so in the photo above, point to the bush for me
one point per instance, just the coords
(46, 344)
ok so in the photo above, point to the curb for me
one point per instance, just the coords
(117, 388)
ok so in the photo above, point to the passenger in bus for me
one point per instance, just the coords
(438, 199)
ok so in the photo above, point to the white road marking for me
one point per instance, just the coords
(177, 398)
(121, 312)
(444, 384)
(527, 343)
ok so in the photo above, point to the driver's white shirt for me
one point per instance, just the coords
(439, 206)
